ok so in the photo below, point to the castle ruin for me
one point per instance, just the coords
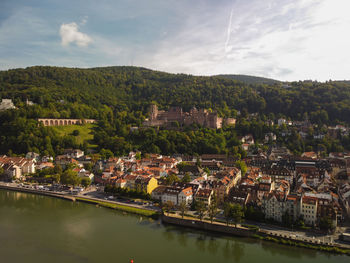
(6, 104)
(175, 114)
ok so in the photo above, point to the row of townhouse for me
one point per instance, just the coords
(180, 193)
(177, 195)
(142, 183)
(140, 175)
(310, 207)
(222, 182)
(16, 167)
(156, 164)
(344, 192)
(314, 193)
(129, 173)
(201, 189)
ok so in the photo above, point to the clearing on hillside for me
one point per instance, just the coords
(84, 134)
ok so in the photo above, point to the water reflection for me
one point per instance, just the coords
(24, 202)
(292, 252)
(238, 249)
(213, 246)
(182, 239)
(206, 243)
(200, 242)
(168, 233)
(233, 249)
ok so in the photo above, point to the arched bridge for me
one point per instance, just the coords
(62, 122)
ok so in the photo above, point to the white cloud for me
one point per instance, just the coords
(70, 34)
(283, 39)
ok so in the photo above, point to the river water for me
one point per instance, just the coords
(39, 229)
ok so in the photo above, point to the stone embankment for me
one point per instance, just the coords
(207, 226)
(257, 233)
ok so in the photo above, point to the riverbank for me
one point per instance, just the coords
(242, 231)
(103, 203)
(124, 208)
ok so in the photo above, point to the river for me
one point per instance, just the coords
(39, 229)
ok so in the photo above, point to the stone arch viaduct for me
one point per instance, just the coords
(62, 122)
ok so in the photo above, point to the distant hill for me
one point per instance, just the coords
(251, 79)
(60, 92)
(343, 81)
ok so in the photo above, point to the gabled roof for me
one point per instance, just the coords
(204, 193)
(187, 191)
(172, 191)
(264, 187)
(293, 198)
(309, 200)
(274, 194)
(159, 190)
(130, 177)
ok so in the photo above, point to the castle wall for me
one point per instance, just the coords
(230, 121)
(174, 114)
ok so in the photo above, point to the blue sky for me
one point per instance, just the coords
(282, 39)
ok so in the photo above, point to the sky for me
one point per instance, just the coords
(281, 39)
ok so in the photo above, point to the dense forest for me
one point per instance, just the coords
(251, 79)
(119, 97)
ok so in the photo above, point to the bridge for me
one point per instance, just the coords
(62, 122)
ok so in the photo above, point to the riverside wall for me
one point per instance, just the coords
(201, 225)
(244, 232)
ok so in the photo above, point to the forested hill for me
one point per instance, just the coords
(251, 79)
(73, 92)
(119, 97)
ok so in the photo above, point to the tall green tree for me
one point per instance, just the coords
(212, 210)
(86, 181)
(183, 208)
(70, 177)
(201, 209)
(237, 213)
(167, 206)
(228, 212)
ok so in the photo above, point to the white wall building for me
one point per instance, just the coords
(309, 210)
(186, 196)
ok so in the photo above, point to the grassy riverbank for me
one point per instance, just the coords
(124, 208)
(303, 245)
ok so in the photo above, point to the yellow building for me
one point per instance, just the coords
(146, 184)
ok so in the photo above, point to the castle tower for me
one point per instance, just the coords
(153, 112)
